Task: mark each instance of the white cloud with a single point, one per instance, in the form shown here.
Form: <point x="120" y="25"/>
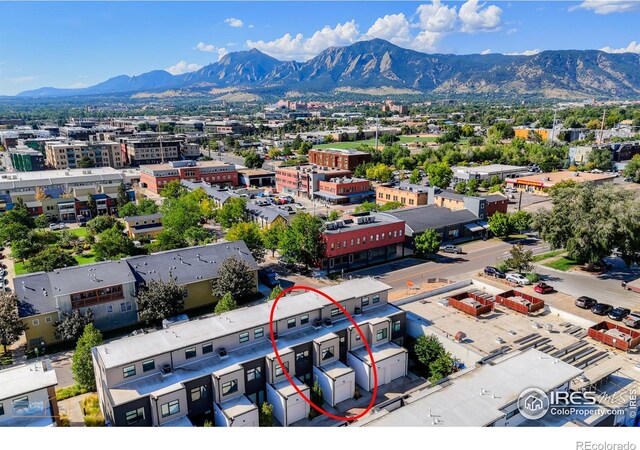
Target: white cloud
<point x="535" y="51"/>
<point x="486" y="52"/>
<point x="233" y="22"/>
<point x="608" y="6"/>
<point x="633" y="47"/>
<point x="182" y="67"/>
<point x="78" y="85"/>
<point x="479" y="18"/>
<point x="299" y="47"/>
<point x="512" y="30"/>
<point x="251" y="26"/>
<point x="436" y="17"/>
<point x="210" y="48"/>
<point x="393" y="28"/>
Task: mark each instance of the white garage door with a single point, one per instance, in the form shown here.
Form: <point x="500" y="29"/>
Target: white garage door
<point x="382" y="376"/>
<point x="296" y="410"/>
<point x="396" y="370"/>
<point x="343" y="390"/>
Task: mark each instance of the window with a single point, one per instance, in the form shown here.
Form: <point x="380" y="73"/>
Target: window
<point x="358" y="336"/>
<point x="190" y="353"/>
<point x="128" y="371"/>
<point x="291" y="323"/>
<point x="1" y="409"/>
<point x="35" y="322"/>
<point x="254" y="374"/>
<point x="207" y="348"/>
<point x="21" y="402"/>
<point x="198" y="392"/>
<point x="109" y="309"/>
<point x="47" y="319"/>
<point x="229" y="387"/>
<point x="148" y="365"/>
<point x="302" y="356"/>
<point x="375" y="298"/>
<point x="258" y="333"/>
<point x="358" y="241"/>
<point x="135" y="416"/>
<point x="171" y="408"/>
<point x="327" y="353"/>
<point x="511" y="414"/>
<point x="396" y="326"/>
<point x="279" y="370"/>
<point x="304" y="319"/>
<point x="381" y="334"/>
<point x="335" y="312"/>
<point x="365" y="301"/>
<point x="125" y="306"/>
<point x="244" y="337"/>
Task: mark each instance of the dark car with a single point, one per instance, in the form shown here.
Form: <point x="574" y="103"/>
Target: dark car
<point x="543" y="288"/>
<point x="586" y="302"/>
<point x="269" y="277"/>
<point x="494" y="272"/>
<point x="619" y="313"/>
<point x="601" y="309"/>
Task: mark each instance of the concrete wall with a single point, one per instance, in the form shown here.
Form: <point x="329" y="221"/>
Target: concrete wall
<point x="363" y="371"/>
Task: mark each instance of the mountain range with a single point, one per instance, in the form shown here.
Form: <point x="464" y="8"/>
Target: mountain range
<point x="367" y="66"/>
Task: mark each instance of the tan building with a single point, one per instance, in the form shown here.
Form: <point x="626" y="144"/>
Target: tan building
<point x="139" y="226"/>
<point x="407" y="194"/>
<point x="539" y="183"/>
<point x="62" y="155"/>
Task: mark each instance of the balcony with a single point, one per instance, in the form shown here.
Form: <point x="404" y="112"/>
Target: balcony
<point x="96" y="300"/>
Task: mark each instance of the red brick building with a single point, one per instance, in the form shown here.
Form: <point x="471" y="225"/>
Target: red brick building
<point x="347" y="159"/>
<point x="304" y="180"/>
<point x="345" y="190"/>
<point x="156" y="176"/>
<point x="362" y="239"/>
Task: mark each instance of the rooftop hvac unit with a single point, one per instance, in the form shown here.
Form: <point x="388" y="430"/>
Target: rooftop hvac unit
<point x="222" y="352"/>
<point x="166" y="369"/>
<point x="460" y="336"/>
<point x="328" y="322"/>
<point x="317" y="323"/>
<point x="275" y="336"/>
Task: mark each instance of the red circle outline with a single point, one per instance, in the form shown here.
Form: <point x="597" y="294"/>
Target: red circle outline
<point x="286" y="372"/>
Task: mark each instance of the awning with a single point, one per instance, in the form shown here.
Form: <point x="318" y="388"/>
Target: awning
<point x="338" y="197"/>
<point x="484" y="224"/>
<point x="473" y="227"/>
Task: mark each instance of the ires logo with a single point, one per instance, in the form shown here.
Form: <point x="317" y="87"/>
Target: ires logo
<point x="534" y="403"/>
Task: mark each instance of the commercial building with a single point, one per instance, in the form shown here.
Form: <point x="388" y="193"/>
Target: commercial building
<point x="304" y="181"/>
<point x="483" y="207"/>
<point x="225" y="365"/>
<point x="143" y="226"/>
<point x="342" y="190"/>
<point x="362" y="239"/>
<point x="405" y="193"/>
<point x="28" y="396"/>
<point x="256" y="178"/>
<point x="538" y="183"/>
<point x="347" y="159"/>
<point x="109" y="288"/>
<point x="620" y="151"/>
<point x="156" y="176"/>
<point x="152" y="150"/>
<point x="67" y="155"/>
<point x="26" y="159"/>
<point x="481" y="173"/>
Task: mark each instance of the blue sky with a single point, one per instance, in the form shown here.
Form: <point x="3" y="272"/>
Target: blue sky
<point x="76" y="44"/>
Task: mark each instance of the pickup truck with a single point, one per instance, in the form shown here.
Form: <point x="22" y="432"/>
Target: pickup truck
<point x="451" y="249"/>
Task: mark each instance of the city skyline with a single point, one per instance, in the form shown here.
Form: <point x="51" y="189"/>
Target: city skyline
<point x="200" y="33"/>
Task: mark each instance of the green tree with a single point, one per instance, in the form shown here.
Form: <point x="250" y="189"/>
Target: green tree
<point x="427" y="349"/>
<point x="467" y="130"/>
<point x="333" y="215"/>
<point x="91" y="203"/>
<point x="181" y="213"/>
<point x="160" y="299"/>
<point x="440" y="174"/>
<point x="461" y="187"/>
<point x="173" y="189"/>
<point x="72" y="325"/>
<point x="427" y="243"/>
<point x="271" y="236"/>
<point x="632" y="169"/>
<point x="500" y="225"/>
<point x="85" y="162"/>
<point x="302" y="242"/>
<point x="103" y="223"/>
<point x="10" y="230"/>
<point x="366" y="207"/>
<point x="266" y="415"/>
<point x="415" y="177"/>
<point x="225" y="304"/>
<point x="42" y="221"/>
<point x="233" y="211"/>
<point x="443" y="366"/>
<point x="520" y="259"/>
<point x="520" y="220"/>
<point x="51" y="259"/>
<point x="250" y="233"/>
<point x="390" y="206"/>
<point x="601" y="158"/>
<point x="472" y="187"/>
<point x="123" y="197"/>
<point x="234" y="277"/>
<point x="495" y="180"/>
<point x="328" y="139"/>
<point x="22" y="249"/>
<point x="275" y="292"/>
<point x="379" y="172"/>
<point x="82" y="365"/>
<point x="168" y="240"/>
<point x="196" y="235"/>
<point x="253" y="161"/>
<point x="11" y="327"/>
<point x="113" y="244"/>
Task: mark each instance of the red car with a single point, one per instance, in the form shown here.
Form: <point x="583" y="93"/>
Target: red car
<point x="543" y="288"/>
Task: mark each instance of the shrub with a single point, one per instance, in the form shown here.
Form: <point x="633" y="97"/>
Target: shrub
<point x="71" y="391"/>
<point x="64" y="420"/>
<point x="533" y="277"/>
<point x="502" y="267"/>
<point x="91" y="411"/>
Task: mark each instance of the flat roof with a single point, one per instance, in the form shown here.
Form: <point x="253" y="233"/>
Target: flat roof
<point x="237" y="406"/>
<point x="26" y="378"/>
<point x="198" y="164"/>
<point x="550" y="178"/>
<point x="256" y="172"/>
<point x="380" y="352"/>
<point x="350" y="223"/>
<point x="421" y="218"/>
<point x="285" y="389"/>
<point x="336" y="370"/>
<point x="488" y="169"/>
<point x="340" y="151"/>
<point x="476" y="397"/>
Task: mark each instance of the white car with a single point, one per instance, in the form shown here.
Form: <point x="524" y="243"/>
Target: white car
<point x="517" y="278"/>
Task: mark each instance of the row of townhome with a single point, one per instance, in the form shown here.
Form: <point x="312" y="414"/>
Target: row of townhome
<point x="225" y="366"/>
<point x="109" y="288"/>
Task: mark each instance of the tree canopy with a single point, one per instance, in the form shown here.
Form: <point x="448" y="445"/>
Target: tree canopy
<point x="427" y="243"/>
<point x="11" y="327"/>
<point x="250" y="233"/>
<point x="235" y="277"/>
<point x="72" y="325"/>
<point x="82" y="364"/>
<point x="302" y="242"/>
<point x="160" y="299"/>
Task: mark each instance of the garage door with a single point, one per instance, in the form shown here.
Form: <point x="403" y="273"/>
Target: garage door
<point x="396" y="370"/>
<point x="296" y="410"/>
<point x="343" y="391"/>
<point x="382" y="376"/>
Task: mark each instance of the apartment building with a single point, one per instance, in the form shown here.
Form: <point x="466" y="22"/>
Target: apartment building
<point x="346" y="159"/>
<point x="151" y="150"/>
<point x="156" y="176"/>
<point x="109" y="288"/>
<point x="67" y="155"/>
<point x="225" y="365"/>
<point x="342" y="190"/>
<point x="305" y="180"/>
<point x="143" y="226"/>
<point x="229" y="127"/>
<point x="28" y="395"/>
<point x="405" y="193"/>
<point x="362" y="239"/>
<point x="25" y="159"/>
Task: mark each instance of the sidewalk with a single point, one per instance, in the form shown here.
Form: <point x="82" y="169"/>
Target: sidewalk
<point x="72" y="408"/>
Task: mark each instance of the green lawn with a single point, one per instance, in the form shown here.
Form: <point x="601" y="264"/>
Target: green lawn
<point x="551" y="254"/>
<point x="80" y="232"/>
<point x="564" y="263"/>
<point x="85" y="258"/>
<point x="20" y="268"/>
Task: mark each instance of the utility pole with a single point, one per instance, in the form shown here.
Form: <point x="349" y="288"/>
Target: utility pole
<point x="553" y="127"/>
<point x="377" y="127"/>
<point x="601" y="138"/>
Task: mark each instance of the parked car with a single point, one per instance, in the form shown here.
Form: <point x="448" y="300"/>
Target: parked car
<point x="3" y="273"/>
<point x="269" y="277"/>
<point x="451" y="249"/>
<point x="7" y="289"/>
<point x="585" y="302"/>
<point x="54" y="226"/>
<point x="517" y="278"/>
<point x="543" y="288"/>
<point x="81" y="220"/>
<point x="632" y="320"/>
<point x="619" y="313"/>
<point x="494" y="272"/>
<point x="601" y="309"/>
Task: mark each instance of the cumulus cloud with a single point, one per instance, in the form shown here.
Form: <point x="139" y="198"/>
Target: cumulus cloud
<point x="436" y="17"/>
<point x="299" y="47"/>
<point x="535" y="51"/>
<point x="233" y="22"/>
<point x="479" y="18"/>
<point x="182" y="67"/>
<point x="210" y="48"/>
<point x="486" y="52"/>
<point x="393" y="28"/>
<point x="633" y="47"/>
<point x="608" y="6"/>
